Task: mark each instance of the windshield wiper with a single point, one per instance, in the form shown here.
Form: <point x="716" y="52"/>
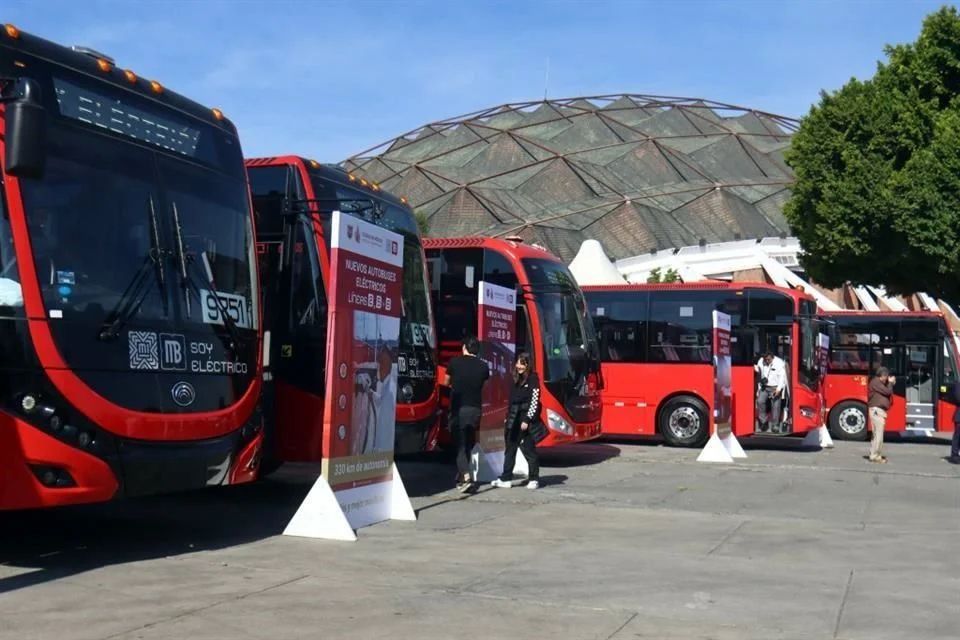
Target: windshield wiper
<point x="186" y="282"/>
<point x="136" y="292"/>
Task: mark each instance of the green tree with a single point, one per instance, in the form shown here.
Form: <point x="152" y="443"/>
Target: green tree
<point x="657" y="275"/>
<point x="877" y="197"/>
<point x="423" y="221"/>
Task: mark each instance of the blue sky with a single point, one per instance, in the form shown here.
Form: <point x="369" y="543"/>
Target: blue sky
<point x="330" y="79"/>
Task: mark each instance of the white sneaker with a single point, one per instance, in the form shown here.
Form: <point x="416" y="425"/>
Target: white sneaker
<point x="500" y="484"/>
<point x="533" y="484"/>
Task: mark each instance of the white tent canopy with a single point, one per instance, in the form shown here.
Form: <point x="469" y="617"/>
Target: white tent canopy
<point x="592" y="266"/>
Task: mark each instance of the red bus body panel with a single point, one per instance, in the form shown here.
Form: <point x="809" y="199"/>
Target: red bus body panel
<point x="633" y="393"/>
<point x="514" y="252"/>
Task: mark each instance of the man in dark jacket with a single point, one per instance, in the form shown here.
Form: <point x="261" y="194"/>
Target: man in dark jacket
<point x="466" y="375"/>
<point x="955" y="443"/>
<point x="879" y="393"/>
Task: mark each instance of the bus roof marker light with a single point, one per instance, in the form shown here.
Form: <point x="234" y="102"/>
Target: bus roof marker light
<point x="363" y="182"/>
<point x="130" y="76"/>
<point x="156" y="87"/>
<point x="351" y="177"/>
<point x="12" y="31"/>
<point x="403" y="199"/>
<point x="104" y="65"/>
<point x="314" y="164"/>
<point x="217" y="113"/>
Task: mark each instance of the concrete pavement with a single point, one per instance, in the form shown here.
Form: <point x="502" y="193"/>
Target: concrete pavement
<point x="625" y="541"/>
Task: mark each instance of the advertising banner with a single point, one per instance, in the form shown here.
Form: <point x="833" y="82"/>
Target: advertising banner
<point x="366" y="276"/>
<point x="722" y="375"/>
<point x="497" y="311"/>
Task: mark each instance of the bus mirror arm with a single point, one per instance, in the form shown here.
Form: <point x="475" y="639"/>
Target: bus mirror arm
<point x="26" y="128"/>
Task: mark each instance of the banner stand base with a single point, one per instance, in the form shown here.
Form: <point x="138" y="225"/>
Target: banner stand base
<point x="400" y="506"/>
<point x="321" y="516"/>
<point x="732" y="445"/>
<point x="819" y="437"/>
<point x="714" y="451"/>
<point x="485" y="467"/>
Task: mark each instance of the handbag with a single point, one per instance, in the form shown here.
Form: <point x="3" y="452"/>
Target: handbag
<point x="537" y="430"/>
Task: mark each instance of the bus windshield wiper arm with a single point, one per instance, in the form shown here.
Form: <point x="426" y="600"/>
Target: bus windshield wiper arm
<point x="186" y="282"/>
<point x="136" y="292"/>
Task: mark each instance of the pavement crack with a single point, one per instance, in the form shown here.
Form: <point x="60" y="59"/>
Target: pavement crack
<point x="212" y="605"/>
<point x="843" y="603"/>
<point x="621" y="627"/>
<point x="727" y="537"/>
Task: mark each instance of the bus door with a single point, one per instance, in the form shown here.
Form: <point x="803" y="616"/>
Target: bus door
<point x="778" y="339"/>
<point x="948" y="377"/>
<point x="919" y="367"/>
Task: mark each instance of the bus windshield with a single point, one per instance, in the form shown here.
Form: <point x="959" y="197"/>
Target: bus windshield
<point x="570" y="345"/>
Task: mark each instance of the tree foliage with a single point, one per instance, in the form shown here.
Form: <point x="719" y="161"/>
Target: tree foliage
<point x="423" y="221"/>
<point x="877" y="197"/>
<point x="658" y="275"/>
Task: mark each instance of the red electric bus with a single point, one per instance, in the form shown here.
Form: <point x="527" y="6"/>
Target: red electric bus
<point x="552" y="323"/>
<point x="293" y="199"/>
<point x="919" y="350"/>
<point x="129" y="301"/>
<point x="656" y="347"/>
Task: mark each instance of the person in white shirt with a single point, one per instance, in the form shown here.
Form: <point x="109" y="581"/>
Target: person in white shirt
<point x="773" y="382"/>
<point x="385" y="401"/>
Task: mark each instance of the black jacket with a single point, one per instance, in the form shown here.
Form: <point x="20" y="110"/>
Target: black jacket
<point x="524" y="402"/>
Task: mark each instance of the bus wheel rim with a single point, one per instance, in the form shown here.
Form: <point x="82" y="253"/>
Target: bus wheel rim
<point x="684" y="422"/>
<point x="852" y="421"/>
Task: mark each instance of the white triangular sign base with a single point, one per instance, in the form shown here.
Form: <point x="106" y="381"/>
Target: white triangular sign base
<point x="400" y="507"/>
<point x="819" y="437"/>
<point x="485" y="467"/>
<point x="714" y="451"/>
<point x="320" y="516"/>
<point x="732" y="445"/>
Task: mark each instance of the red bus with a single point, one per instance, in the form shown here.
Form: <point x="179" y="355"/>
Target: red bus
<point x="656" y="347"/>
<point x="129" y="300"/>
<point x="293" y="200"/>
<point x="917" y="347"/>
<point x="552" y="323"/>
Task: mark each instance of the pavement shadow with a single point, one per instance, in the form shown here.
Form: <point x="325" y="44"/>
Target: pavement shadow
<point x="61" y="542"/>
<point x="582" y="454"/>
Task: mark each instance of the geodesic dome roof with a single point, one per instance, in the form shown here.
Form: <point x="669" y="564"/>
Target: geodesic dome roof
<point x="637" y="173"/>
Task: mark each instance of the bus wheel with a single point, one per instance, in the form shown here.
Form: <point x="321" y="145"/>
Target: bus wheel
<point x="683" y="422"/>
<point x="848" y="421"/>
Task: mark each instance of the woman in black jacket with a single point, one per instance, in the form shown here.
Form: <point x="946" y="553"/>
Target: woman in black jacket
<point x="522" y="416"/>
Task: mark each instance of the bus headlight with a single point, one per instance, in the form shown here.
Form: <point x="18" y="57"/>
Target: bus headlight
<point x="557" y="422"/>
<point x="406" y="392"/>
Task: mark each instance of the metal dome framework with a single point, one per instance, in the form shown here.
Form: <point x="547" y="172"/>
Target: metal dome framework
<point x="637" y="172"/>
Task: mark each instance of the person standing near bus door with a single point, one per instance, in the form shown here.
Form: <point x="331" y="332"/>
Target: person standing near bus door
<point x="773" y="381"/>
<point x="955" y="442"/>
<point x="523" y="418"/>
<point x="879" y="392"/>
<point x="466" y="375"/>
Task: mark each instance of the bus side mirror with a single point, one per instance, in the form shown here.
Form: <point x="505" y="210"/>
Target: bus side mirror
<point x="26" y="131"/>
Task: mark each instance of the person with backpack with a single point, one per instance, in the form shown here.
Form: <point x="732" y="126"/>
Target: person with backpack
<point x="466" y="375"/>
<point x="523" y="427"/>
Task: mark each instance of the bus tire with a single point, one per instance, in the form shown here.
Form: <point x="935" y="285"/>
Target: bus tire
<point x="848" y="421"/>
<point x="683" y="422"/>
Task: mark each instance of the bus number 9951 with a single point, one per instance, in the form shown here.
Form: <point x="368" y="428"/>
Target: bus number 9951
<point x="235" y="306"/>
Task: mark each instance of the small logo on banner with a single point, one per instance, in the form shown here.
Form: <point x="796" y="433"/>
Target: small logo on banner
<point x="183" y="394"/>
<point x="394" y="247"/>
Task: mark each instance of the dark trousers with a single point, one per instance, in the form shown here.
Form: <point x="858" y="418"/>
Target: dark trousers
<point x="517" y="439"/>
<point x="465" y="435"/>
<point x="955" y="443"/>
